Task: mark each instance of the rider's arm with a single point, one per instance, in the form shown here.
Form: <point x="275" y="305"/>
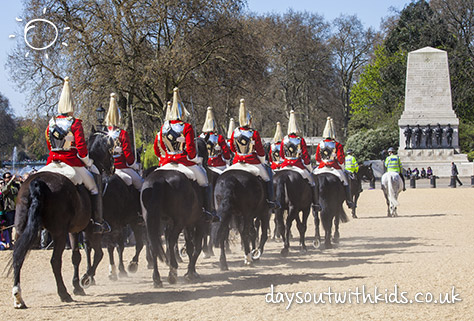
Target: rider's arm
<point x="258" y="144"/>
<point x="304" y="153"/>
<point x="224" y="147"/>
<point x="190" y="145"/>
<point x="231" y="143"/>
<point x="340" y="153"/>
<point x="318" y="156"/>
<point x="282" y="150"/>
<point x="127" y="148"/>
<point x="156" y="148"/>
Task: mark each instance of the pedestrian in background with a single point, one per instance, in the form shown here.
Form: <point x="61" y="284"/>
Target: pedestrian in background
<point x="455" y="173"/>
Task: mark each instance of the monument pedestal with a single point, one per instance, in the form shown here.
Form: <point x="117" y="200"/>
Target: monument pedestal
<point x="438" y="159"/>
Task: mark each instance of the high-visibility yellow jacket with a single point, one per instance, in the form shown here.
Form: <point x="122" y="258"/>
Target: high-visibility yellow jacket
<point x="351" y="164"/>
<point x="393" y="164"/>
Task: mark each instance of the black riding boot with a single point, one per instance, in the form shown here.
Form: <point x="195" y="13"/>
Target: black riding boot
<point x="316" y="205"/>
<point x="403" y="181"/>
<point x="135" y="194"/>
<point x="271" y="197"/>
<point x="99" y="225"/>
<point x="349" y="202"/>
<point x="208" y="205"/>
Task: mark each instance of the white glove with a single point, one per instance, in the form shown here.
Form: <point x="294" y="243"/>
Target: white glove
<point x="180" y="139"/>
<point x="217" y="147"/>
<point x="135" y="166"/>
<point x="197" y="160"/>
<point x="262" y="159"/>
<point x="86" y="160"/>
<point x="309" y="168"/>
<point x="118" y="150"/>
<point x="93" y="169"/>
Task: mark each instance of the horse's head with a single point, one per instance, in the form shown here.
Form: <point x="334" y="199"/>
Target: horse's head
<point x="202" y="150"/>
<point x="101" y="150"/>
<point x="366" y="172"/>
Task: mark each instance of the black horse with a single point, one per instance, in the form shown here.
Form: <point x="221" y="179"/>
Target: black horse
<point x="294" y="194"/>
<point x="355" y="180"/>
<point x="168" y="197"/>
<point x="121" y="208"/>
<point x="51" y="200"/>
<point x="241" y="195"/>
<point x="331" y="197"/>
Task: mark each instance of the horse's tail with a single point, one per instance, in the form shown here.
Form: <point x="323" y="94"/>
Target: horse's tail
<point x="281" y="190"/>
<point x="391" y="191"/>
<point x="38" y="190"/>
<point x="343" y="216"/>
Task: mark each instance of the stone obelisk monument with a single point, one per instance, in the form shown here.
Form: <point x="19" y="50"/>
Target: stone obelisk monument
<point x="428" y="125"/>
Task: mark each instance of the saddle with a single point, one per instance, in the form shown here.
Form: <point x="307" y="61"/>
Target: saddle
<point x="127" y="179"/>
<point x="178" y="167"/>
<point x="303" y="173"/>
<point x="244" y="167"/>
<point x="330" y="170"/>
<point x="63" y="169"/>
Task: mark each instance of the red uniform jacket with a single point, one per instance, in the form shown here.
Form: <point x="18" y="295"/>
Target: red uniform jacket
<point x="340" y="157"/>
<point x="78" y="147"/>
<point x="257" y="150"/>
<point x="126" y="158"/>
<point x="304" y="159"/>
<point x="189" y="150"/>
<point x="219" y="160"/>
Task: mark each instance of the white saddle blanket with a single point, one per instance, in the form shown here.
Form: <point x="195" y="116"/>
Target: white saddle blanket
<point x="304" y="173"/>
<point x="178" y="167"/>
<point x="218" y="169"/>
<point x="125" y="177"/>
<point x="330" y="170"/>
<point x="244" y="167"/>
<point x="63" y="169"/>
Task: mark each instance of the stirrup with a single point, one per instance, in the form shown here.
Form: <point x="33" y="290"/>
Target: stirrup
<point x="210" y="217"/>
<point x="274" y="204"/>
<point x="316" y="208"/>
<point x="100" y="228"/>
<point x="350" y="204"/>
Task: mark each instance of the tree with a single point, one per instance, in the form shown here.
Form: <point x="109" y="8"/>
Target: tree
<point x="7" y="126"/>
<point x="351" y="45"/>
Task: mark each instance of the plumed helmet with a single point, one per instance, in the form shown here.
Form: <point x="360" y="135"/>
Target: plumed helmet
<point x="231" y="128"/>
<point x="178" y="111"/>
<point x="66" y="104"/>
<point x="329" y="131"/>
<point x="168" y="111"/>
<point x="113" y="114"/>
<point x="292" y="127"/>
<point x="244" y="116"/>
<point x="278" y="134"/>
<point x="210" y="123"/>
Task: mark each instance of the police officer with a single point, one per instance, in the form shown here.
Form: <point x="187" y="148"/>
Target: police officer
<point x="247" y="146"/>
<point x="66" y="143"/>
<point x="351" y="165"/>
<point x="393" y="164"/>
<point x="124" y="159"/>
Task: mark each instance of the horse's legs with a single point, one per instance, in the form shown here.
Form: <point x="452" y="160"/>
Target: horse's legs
<point x="95" y="242"/>
<point x="56" y="263"/>
<point x="222" y="234"/>
<point x="172" y="242"/>
<point x="120" y="248"/>
<point x="155" y="248"/>
<point x="245" y="236"/>
<point x="286" y="238"/>
<point x="280" y="227"/>
<point x="302" y="226"/>
<point x="327" y="224"/>
<point x="76" y="261"/>
<point x="317" y="235"/>
<point x="356" y="198"/>
<point x="265" y="224"/>
<point x="195" y="240"/>
<point x="138" y="232"/>
<point x="112" y="268"/>
<point x="336" y="227"/>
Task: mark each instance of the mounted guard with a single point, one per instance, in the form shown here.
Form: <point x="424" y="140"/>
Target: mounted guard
<point x="219" y="152"/>
<point x="249" y="153"/>
<point x="330" y="155"/>
<point x="124" y="159"/>
<point x="176" y="138"/>
<point x="68" y="149"/>
<point x="274" y="154"/>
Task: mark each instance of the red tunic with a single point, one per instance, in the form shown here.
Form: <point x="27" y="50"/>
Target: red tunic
<point x="189" y="150"/>
<point x="219" y="160"/>
<point x="126" y="158"/>
<point x="301" y="161"/>
<point x="78" y="146"/>
<point x="257" y="151"/>
<point x="340" y="157"/>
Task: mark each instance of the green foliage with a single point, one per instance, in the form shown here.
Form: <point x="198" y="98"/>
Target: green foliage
<point x="466" y="137"/>
<point x="470" y="156"/>
<point x="149" y="158"/>
<point x="368" y="144"/>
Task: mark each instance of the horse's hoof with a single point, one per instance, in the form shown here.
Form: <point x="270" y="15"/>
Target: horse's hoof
<point x="284" y="251"/>
<point x="224" y="267"/>
<point x="123" y="274"/>
<point x="20" y="305"/>
<point x="206" y="255"/>
<point x="18" y="302"/>
<point x="354" y="216"/>
<point x="256" y="254"/>
<point x="157" y="285"/>
<point x="316" y="243"/>
<point x="173" y="276"/>
<point x="149" y="266"/>
<point x="66" y="298"/>
<point x="133" y="267"/>
<point x="328" y="246"/>
<point x="79" y="291"/>
<point x="86" y="281"/>
<point x="113" y="277"/>
<point x="191" y="277"/>
<point x="303" y="250"/>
